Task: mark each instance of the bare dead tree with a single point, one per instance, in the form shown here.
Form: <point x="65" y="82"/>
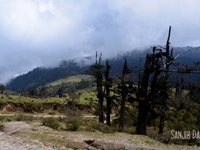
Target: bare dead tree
<point x="143" y="108"/>
<point x="158" y="64"/>
<point x="165" y="89"/>
<point x="154" y="64"/>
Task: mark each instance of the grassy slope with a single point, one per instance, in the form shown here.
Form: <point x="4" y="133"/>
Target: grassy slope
<point x="19" y="99"/>
<point x="83" y="95"/>
<point x="86" y="94"/>
<point x="71" y="79"/>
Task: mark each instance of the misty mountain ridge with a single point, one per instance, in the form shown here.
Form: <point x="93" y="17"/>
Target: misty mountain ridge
<point x="41" y="75"/>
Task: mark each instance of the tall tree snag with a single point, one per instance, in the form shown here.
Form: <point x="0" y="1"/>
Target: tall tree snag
<point x="97" y="71"/>
<point x="143" y="108"/>
<point x="167" y="63"/>
<point x="108" y="84"/>
<point x="153" y="65"/>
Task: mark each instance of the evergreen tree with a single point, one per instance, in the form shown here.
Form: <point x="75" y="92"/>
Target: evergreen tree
<point x="2" y="88"/>
<point x="124" y="92"/>
<point x="108" y="85"/>
<point x="97" y="71"/>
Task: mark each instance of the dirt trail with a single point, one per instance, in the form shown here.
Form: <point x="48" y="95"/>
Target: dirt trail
<point x="10" y="142"/>
<point x="48" y="116"/>
<point x="17" y="136"/>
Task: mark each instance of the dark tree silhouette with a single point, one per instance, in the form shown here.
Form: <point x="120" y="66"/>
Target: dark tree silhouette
<point x="61" y="91"/>
<point x="2" y="88"/>
<point x="124" y="92"/>
<point x="143" y="108"/>
<point x="154" y="64"/>
<point x="153" y="88"/>
<point x="43" y="92"/>
<point x="108" y="85"/>
<point x="158" y="64"/>
<point x="97" y="71"/>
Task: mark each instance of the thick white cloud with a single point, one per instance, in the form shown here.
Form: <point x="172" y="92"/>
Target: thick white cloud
<point x="43" y="32"/>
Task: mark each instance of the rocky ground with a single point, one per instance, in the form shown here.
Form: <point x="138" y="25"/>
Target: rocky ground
<point x="9" y="141"/>
<point x="23" y="136"/>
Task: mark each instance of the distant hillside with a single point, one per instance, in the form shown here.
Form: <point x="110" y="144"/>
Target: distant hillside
<point x="71" y="79"/>
<point x="40" y="76"/>
<point x="67" y="85"/>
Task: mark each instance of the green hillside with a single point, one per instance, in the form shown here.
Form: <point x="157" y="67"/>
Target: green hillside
<point x="71" y="79"/>
<point x="63" y="86"/>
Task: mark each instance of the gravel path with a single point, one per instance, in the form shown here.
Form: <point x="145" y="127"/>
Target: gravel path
<point x="12" y="137"/>
<point x="9" y="142"/>
<point x="16" y="143"/>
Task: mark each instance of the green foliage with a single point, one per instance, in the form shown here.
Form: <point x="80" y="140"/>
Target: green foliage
<point x="96" y="70"/>
<point x="182" y="120"/>
<point x="71" y="79"/>
<point x="22" y="117"/>
<point x="52" y="123"/>
<point x="76" y="124"/>
<point x="103" y="127"/>
<point x="2" y="88"/>
<point x="188" y="118"/>
<point x="22" y="99"/>
<point x="131" y="116"/>
<point x="87" y="96"/>
<point x="19" y="117"/>
<point x="73" y="124"/>
<point x="67" y="85"/>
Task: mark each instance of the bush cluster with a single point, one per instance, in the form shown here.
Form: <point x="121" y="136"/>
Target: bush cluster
<point x="73" y="124"/>
<point x="52" y="123"/>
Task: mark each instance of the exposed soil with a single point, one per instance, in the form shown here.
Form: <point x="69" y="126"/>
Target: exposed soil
<point x="7" y="107"/>
<point x="23" y="136"/>
<point x="30" y="108"/>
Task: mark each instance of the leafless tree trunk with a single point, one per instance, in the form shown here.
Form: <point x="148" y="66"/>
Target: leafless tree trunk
<point x="163" y="115"/>
<point x="153" y="65"/>
<point x="142" y="98"/>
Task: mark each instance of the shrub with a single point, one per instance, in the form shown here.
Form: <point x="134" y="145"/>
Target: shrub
<point x="73" y="124"/>
<point x="52" y="123"/>
<point x="103" y="127"/>
<point x="22" y="117"/>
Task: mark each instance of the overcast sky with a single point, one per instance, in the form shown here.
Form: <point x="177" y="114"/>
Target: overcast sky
<point x="43" y="32"/>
